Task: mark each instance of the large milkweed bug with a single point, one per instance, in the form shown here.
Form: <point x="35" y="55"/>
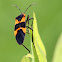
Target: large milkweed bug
<point x="20" y="27"/>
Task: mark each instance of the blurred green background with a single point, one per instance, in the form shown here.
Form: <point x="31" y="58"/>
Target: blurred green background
<point x="49" y="20"/>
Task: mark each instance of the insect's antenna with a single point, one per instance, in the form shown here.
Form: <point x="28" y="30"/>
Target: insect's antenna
<point x="30" y="6"/>
<point x="17" y="7"/>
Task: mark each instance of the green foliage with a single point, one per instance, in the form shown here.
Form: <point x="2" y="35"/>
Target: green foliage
<point x="58" y="50"/>
<point x="39" y="47"/>
<point x="26" y="58"/>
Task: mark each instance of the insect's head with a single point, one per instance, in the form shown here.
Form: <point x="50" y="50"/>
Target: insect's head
<point x="20" y="17"/>
<point x="23" y="14"/>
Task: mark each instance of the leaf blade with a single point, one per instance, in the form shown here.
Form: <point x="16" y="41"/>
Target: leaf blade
<point x="58" y="51"/>
<point x="26" y="58"/>
<point x="40" y="49"/>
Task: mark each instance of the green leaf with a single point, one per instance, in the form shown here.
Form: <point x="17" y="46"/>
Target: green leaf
<point x="35" y="59"/>
<point x="26" y="58"/>
<point x="39" y="47"/>
<point x="58" y="50"/>
<point x="29" y="55"/>
<point x="34" y="54"/>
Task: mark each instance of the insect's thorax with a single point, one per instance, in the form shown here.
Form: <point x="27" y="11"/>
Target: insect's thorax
<point x="20" y="19"/>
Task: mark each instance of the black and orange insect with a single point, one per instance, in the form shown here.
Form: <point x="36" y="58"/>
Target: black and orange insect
<point x="20" y="27"/>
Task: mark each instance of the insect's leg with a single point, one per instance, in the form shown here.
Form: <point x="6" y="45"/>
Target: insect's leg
<point x="29" y="28"/>
<point x="28" y="22"/>
<point x="28" y="19"/>
<point x="27" y="31"/>
<point x="32" y="25"/>
<point x="26" y="48"/>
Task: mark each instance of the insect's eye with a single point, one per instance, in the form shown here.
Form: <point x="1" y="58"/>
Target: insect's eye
<point x="23" y="16"/>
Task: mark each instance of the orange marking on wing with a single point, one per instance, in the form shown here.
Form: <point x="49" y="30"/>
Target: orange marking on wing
<point x="24" y="30"/>
<point x="22" y="20"/>
<point x="15" y="32"/>
<point x="16" y="21"/>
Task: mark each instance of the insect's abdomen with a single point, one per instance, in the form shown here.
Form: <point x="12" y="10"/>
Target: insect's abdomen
<point x="20" y="36"/>
<point x="20" y="30"/>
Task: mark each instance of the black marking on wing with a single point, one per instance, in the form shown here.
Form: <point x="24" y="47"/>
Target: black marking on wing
<point x="16" y="26"/>
<point x="20" y="36"/>
<point x="22" y="24"/>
